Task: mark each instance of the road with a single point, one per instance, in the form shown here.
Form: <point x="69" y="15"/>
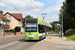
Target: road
<point x="15" y="43"/>
<point x="18" y="43"/>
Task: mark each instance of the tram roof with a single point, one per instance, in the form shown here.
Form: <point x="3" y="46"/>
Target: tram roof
<point x="42" y="22"/>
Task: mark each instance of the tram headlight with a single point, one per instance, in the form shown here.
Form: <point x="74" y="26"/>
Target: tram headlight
<point x="35" y="35"/>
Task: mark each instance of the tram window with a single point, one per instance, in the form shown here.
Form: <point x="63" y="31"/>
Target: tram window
<point x="31" y="25"/>
<point x="41" y="29"/>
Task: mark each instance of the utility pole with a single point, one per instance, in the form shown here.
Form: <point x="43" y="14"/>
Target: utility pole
<point x="64" y="17"/>
<point x="44" y="15"/>
<point x="55" y="28"/>
<point x="43" y="19"/>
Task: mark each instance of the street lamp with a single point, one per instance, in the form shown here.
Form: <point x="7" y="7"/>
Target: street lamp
<point x="61" y="10"/>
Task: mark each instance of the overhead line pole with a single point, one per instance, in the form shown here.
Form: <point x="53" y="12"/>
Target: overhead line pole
<point x="40" y="10"/>
<point x="44" y="15"/>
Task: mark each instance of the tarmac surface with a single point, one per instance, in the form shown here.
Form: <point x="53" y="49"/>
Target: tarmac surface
<point x="52" y="37"/>
<point x="53" y="41"/>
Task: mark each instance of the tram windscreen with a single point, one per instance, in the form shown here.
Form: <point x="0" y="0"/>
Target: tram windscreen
<point x="31" y="25"/>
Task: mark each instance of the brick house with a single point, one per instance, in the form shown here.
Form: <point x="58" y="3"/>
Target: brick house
<point x="4" y="22"/>
<point x="15" y="18"/>
<point x="23" y="21"/>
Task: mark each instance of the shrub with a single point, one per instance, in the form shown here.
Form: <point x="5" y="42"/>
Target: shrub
<point x="6" y="30"/>
<point x="12" y="30"/>
<point x="17" y="29"/>
<point x="70" y="32"/>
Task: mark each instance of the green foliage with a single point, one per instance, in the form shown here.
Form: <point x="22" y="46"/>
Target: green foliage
<point x="53" y="26"/>
<point x="12" y="30"/>
<point x="17" y="29"/>
<point x="60" y="16"/>
<point x="70" y="10"/>
<point x="70" y="34"/>
<point x="6" y="30"/>
<point x="28" y="16"/>
<point x="68" y="15"/>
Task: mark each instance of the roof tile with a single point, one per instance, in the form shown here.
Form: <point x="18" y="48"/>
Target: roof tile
<point x="4" y="18"/>
<point x="17" y="15"/>
<point x="23" y="19"/>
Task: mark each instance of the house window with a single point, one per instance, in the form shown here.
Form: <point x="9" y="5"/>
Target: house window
<point x="8" y="23"/>
<point x="4" y="22"/>
<point x="6" y="16"/>
<point x="9" y="16"/>
<point x="1" y="21"/>
<point x="20" y="23"/>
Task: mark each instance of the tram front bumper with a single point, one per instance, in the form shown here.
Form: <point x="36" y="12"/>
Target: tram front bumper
<point x="31" y="38"/>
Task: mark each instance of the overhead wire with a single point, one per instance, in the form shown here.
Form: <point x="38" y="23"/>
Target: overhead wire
<point x="13" y="7"/>
<point x="36" y="6"/>
<point x="21" y="10"/>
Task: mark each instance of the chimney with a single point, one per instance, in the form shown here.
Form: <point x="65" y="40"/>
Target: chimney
<point x="1" y="13"/>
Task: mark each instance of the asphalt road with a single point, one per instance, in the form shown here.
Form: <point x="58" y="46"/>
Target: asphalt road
<point x="18" y="43"/>
<point x="15" y="43"/>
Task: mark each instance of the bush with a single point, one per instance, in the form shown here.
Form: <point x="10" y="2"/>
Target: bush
<point x="17" y="29"/>
<point x="12" y="30"/>
<point x="70" y="34"/>
<point x="6" y="30"/>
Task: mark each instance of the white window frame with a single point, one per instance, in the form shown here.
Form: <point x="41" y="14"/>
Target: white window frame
<point x="9" y="16"/>
<point x="20" y="22"/>
<point x="4" y="22"/>
<point x="8" y="23"/>
<point x="6" y="16"/>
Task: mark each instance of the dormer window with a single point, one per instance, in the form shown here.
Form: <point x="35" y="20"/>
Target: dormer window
<point x="9" y="16"/>
<point x="6" y="16"/>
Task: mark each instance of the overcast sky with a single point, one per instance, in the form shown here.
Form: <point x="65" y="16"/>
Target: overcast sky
<point x="51" y="7"/>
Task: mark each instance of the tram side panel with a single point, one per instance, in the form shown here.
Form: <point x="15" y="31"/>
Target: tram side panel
<point x="41" y="31"/>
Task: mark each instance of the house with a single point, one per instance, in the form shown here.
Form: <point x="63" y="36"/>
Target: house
<point x="23" y="21"/>
<point x="4" y="22"/>
<point x="15" y="18"/>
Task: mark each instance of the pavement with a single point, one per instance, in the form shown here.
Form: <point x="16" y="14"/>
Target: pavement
<point x="56" y="38"/>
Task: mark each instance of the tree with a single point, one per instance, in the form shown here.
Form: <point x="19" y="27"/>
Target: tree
<point x="69" y="19"/>
<point x="28" y="16"/>
<point x="17" y="29"/>
<point x="12" y="30"/>
<point x="64" y="17"/>
<point x="71" y="12"/>
<point x="54" y="26"/>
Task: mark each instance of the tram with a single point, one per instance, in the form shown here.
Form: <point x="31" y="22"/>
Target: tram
<point x="36" y="29"/>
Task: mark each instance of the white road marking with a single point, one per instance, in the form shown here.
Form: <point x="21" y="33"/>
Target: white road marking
<point x="8" y="44"/>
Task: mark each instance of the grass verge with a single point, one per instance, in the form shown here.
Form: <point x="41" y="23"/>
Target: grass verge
<point x="70" y="34"/>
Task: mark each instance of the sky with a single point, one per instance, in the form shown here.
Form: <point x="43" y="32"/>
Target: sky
<point x="26" y="7"/>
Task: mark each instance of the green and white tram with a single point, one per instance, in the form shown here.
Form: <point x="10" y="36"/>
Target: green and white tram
<point x="36" y="29"/>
